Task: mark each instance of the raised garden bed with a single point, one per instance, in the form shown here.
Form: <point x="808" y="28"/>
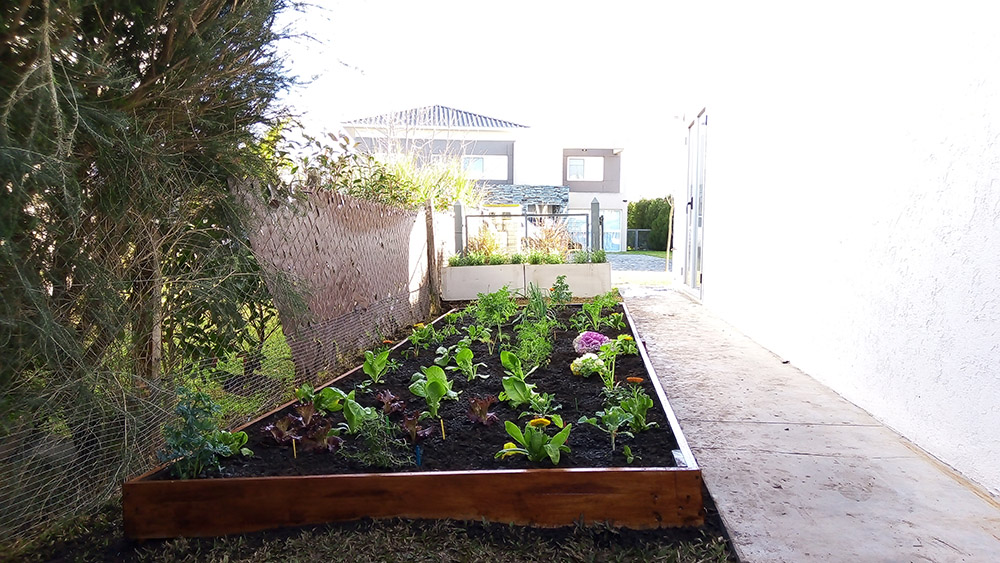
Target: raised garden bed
<point x="461" y="283"/>
<point x="458" y="477"/>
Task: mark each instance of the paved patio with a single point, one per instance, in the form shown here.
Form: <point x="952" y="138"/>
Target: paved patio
<point x="799" y="473"/>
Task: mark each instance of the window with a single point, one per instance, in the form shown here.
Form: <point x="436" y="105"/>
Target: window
<point x="585" y="168"/>
<point x="485" y="167"/>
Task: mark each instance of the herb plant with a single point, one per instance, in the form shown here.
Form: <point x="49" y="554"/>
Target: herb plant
<point x="196" y="442"/>
<point x="609" y="353"/>
<point x="534" y="442"/>
<point x="610" y="421"/>
<point x="495" y="309"/>
<point x="378" y="444"/>
<point x="534" y="341"/>
<point x="421" y="338"/>
<point x="479" y="333"/>
<point x="559" y="293"/>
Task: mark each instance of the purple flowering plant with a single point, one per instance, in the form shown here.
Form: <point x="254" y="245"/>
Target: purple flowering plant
<point x="589" y="342"/>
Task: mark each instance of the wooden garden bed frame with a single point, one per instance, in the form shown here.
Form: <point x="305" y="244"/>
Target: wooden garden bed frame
<point x="632" y="497"/>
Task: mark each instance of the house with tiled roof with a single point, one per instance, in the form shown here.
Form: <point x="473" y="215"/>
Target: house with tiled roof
<point x="488" y="148"/>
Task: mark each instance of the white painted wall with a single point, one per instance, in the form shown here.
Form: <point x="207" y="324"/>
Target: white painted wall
<point x="853" y="206"/>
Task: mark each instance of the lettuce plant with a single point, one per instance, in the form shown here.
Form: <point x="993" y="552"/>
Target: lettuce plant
<point x="589" y="342"/>
<point x="463" y="363"/>
<point x="356" y="415"/>
<point x="444" y="356"/>
<point x="479" y="410"/>
<point x="411" y="425"/>
<point x="326" y="401"/>
<point x="376" y="365"/>
<point x="535" y="442"/>
<point x="512" y="365"/>
<point x="433" y="385"/>
<point x="517" y="392"/>
<point x="390" y="402"/>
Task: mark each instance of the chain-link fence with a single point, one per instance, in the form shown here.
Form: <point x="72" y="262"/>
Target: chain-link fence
<point x="310" y="285"/>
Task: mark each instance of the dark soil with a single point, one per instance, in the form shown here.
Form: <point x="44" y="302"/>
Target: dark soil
<point x="470" y="445"/>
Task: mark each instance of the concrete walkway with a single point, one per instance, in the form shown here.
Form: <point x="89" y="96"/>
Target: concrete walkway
<point x="799" y="473"/>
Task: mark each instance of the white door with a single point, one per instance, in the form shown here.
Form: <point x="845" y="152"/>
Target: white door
<point x="695" y="208"/>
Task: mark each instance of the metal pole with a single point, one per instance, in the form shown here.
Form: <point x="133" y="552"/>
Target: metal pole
<point x="595" y="232"/>
<point x="459" y="231"/>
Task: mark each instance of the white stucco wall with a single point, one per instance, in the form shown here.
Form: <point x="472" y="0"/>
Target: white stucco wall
<point x="853" y="207"/>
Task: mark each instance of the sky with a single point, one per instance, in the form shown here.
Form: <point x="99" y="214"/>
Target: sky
<point x="596" y="74"/>
<point x="567" y="63"/>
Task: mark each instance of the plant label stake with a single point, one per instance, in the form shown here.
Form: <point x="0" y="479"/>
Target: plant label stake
<point x="418" y="450"/>
<point x="442" y="429"/>
<point x="295" y="454"/>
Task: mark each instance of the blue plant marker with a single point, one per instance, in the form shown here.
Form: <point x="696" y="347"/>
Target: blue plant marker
<point x="418" y="450"/>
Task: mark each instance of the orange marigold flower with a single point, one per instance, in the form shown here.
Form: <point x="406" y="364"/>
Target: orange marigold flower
<point x="536" y="422"/>
<point x="387" y="341"/>
<point x="634" y="379"/>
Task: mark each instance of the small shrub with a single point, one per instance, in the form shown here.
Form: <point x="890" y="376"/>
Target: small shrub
<point x="475" y="259"/>
<point x="581" y="257"/>
<point x="517" y="258"/>
<point x="485" y="242"/>
<point x="496" y="259"/>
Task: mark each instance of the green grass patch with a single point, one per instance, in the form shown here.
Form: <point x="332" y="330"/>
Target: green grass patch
<point x="100" y="538"/>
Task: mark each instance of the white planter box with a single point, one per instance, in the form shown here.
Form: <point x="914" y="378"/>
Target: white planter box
<point x="463" y="283"/>
<point x="584" y="280"/>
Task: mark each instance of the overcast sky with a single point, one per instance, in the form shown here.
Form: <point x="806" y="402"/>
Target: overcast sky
<point x="577" y="66"/>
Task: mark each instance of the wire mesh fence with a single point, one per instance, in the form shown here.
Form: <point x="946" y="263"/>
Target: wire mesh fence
<point x="525" y="232"/>
<point x="244" y="316"/>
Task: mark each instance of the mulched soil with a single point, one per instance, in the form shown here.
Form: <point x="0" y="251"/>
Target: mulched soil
<point x="470" y="445"/>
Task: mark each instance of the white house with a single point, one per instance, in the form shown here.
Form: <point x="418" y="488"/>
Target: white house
<point x="509" y="160"/>
<point x="843" y="205"/>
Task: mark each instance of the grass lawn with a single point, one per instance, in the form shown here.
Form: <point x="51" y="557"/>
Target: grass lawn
<point x="654" y="253"/>
<point x="99" y="538"/>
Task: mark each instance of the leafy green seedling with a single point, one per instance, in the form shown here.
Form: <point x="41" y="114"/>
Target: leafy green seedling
<point x="433" y="386"/>
<point x="512" y="365"/>
<point x="534" y="442"/>
<point x="376" y="365"/>
<point x="517" y="392"/>
<point x="463" y="363"/>
<point x="610" y="422"/>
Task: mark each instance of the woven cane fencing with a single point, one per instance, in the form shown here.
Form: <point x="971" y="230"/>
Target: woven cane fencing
<point x="336" y="274"/>
<point x="359" y="266"/>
